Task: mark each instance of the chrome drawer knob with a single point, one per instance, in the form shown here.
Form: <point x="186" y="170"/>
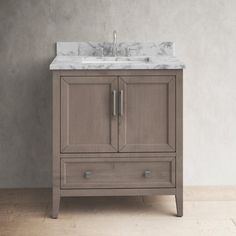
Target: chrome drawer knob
<point x="87" y="174"/>
<point x="147" y="173"/>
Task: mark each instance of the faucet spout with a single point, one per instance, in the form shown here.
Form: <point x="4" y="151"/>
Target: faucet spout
<point x="114" y="46"/>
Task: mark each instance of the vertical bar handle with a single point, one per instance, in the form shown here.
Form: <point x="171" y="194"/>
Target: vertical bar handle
<point x="121" y="102"/>
<point x="114" y="102"/>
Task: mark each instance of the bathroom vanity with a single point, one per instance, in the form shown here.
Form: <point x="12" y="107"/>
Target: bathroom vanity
<point x="117" y="121"/>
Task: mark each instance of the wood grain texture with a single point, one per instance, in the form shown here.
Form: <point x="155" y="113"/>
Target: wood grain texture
<point x="179" y="143"/>
<point x="88" y="73"/>
<point x="118" y="173"/>
<point x="117" y="192"/>
<point x="87" y="124"/>
<point x="208" y="211"/>
<point x="148" y="123"/>
<point x="55" y="144"/>
<point x="117" y="159"/>
<point x="118" y="155"/>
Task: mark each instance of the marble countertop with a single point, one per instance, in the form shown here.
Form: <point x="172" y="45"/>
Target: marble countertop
<point x="130" y="55"/>
<point x="77" y="63"/>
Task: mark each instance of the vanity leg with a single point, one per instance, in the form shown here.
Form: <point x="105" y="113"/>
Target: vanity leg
<point x="56" y="174"/>
<point x="179" y="143"/>
<point x="179" y="203"/>
<point x="55" y="204"/>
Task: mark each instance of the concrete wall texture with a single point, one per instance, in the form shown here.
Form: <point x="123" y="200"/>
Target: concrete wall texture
<point x="205" y="36"/>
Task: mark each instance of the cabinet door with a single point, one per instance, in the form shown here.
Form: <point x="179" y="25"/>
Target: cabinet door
<point x="87" y="122"/>
<point x="147" y="123"/>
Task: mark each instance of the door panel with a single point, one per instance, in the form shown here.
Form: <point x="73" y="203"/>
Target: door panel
<point x="87" y="124"/>
<point x="148" y="120"/>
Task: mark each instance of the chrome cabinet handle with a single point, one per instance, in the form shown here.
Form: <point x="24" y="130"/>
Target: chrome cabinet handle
<point x="121" y="102"/>
<point x="147" y="173"/>
<point x="87" y="174"/>
<point x="114" y="102"/>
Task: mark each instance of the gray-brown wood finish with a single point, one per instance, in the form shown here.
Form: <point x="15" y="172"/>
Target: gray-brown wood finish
<point x="166" y="91"/>
<point x="117" y="192"/>
<point x="148" y="120"/>
<point x="117" y="173"/>
<point x="55" y="144"/>
<point x="118" y="154"/>
<point x="179" y="143"/>
<point x="87" y="123"/>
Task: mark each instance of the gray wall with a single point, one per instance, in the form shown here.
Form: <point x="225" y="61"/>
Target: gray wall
<point x="205" y="36"/>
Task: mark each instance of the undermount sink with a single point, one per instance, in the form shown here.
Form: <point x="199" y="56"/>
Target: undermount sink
<point x="125" y="60"/>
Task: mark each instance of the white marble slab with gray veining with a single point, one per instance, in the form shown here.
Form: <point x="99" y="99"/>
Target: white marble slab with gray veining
<point x="90" y="56"/>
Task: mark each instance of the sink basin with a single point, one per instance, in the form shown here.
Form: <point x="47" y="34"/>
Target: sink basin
<point x="125" y="60"/>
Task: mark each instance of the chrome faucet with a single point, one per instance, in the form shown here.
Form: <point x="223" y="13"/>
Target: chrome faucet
<point x="114" y="45"/>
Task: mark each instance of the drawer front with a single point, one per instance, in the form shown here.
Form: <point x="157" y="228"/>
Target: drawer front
<point x="118" y="173"/>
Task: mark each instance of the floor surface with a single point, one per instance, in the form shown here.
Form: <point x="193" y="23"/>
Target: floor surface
<point x="208" y="211"/>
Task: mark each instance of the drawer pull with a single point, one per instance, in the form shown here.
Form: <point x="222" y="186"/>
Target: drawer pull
<point x="114" y="102"/>
<point x="147" y="174"/>
<point x="87" y="174"/>
<point x="121" y="102"/>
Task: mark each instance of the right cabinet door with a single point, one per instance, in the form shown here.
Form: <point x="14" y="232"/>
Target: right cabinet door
<point x="147" y="114"/>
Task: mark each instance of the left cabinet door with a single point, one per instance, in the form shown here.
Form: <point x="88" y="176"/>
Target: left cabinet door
<point x="88" y="119"/>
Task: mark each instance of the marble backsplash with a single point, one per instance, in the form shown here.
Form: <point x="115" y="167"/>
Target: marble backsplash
<point x="123" y="49"/>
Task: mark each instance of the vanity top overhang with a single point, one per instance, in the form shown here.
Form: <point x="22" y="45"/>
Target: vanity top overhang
<point x="129" y="55"/>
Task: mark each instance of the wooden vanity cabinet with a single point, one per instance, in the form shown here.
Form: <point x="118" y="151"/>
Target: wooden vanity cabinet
<point x="117" y="133"/>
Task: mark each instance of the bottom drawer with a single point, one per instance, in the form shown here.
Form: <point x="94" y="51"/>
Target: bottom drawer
<point x="117" y="172"/>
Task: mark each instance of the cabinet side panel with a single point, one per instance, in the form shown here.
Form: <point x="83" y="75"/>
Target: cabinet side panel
<point x="179" y="142"/>
<point x="56" y="141"/>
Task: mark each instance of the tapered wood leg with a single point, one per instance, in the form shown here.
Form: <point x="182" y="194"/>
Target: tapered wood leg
<point x="179" y="203"/>
<point x="55" y="205"/>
